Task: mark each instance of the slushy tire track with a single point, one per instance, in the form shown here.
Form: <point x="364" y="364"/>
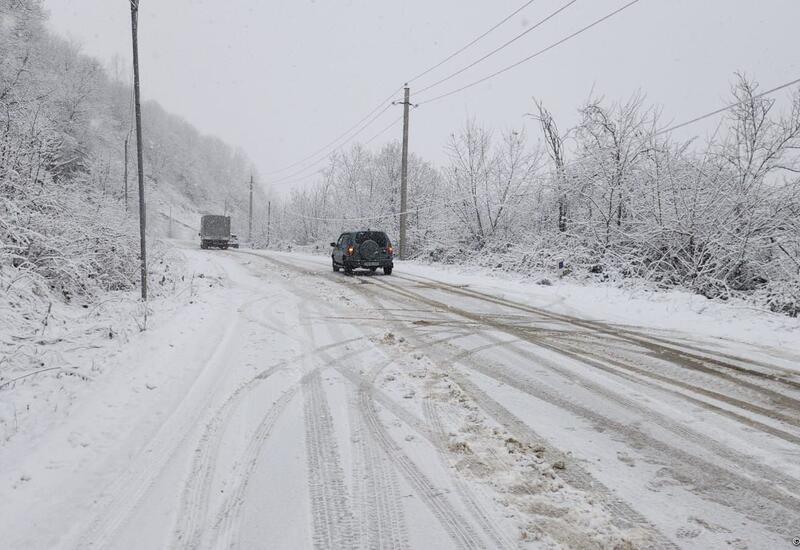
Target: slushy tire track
<point x="476" y="509"/>
<point x="456" y="526"/>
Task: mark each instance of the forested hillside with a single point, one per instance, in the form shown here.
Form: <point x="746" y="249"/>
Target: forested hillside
<point x="63" y="217"/>
<point x="614" y="197"/>
<point x="68" y="237"/>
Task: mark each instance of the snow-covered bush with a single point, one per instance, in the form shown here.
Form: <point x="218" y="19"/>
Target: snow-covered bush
<point x="59" y="223"/>
<point x="69" y="243"/>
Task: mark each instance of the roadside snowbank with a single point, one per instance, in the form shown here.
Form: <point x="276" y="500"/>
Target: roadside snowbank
<point x="50" y="349"/>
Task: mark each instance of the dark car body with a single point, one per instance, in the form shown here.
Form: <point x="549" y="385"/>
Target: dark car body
<point x="363" y="249"/>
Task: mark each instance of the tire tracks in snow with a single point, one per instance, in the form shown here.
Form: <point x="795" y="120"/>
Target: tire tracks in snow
<point x="127" y="491"/>
<point x="583" y="358"/>
<point x="623" y="516"/>
<point x="752" y="497"/>
<point x="228" y="519"/>
<point x="688" y="356"/>
<point x="377" y="494"/>
<point x="456" y="526"/>
<point x="193" y="511"/>
<point x="388" y="531"/>
<point x="741" y="460"/>
<point x="331" y="512"/>
<point x="618" y="367"/>
<point x="758" y="500"/>
<point x="710" y="481"/>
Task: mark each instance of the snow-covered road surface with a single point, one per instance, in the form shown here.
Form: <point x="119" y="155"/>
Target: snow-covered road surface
<point x="292" y="407"/>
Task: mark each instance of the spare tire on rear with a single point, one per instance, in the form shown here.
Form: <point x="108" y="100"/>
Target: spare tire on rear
<point x="368" y="250"/>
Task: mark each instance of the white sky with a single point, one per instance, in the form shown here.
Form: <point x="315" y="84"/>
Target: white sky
<point x="281" y="78"/>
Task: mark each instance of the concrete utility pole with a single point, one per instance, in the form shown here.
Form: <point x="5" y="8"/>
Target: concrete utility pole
<point x="404" y="177"/>
<point x="139" y="161"/>
<point x="250" y="219"/>
<point x="269" y="219"/>
<point x="125" y="184"/>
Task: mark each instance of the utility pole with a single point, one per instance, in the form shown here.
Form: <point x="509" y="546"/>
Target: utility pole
<point x="269" y="219"/>
<point x="250" y="219"/>
<point x="139" y="161"/>
<point x="125" y="185"/>
<point x="404" y="175"/>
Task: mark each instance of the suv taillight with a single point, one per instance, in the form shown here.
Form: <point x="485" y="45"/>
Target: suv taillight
<point x="390" y="250"/>
<point x="350" y="250"/>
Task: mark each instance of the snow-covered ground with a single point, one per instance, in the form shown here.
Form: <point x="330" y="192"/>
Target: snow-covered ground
<point x="281" y="405"/>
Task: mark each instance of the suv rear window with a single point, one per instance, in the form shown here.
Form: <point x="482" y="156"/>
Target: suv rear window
<point x="379" y="237"/>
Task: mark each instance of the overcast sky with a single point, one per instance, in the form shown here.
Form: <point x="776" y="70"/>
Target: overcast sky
<point x="282" y="78"/>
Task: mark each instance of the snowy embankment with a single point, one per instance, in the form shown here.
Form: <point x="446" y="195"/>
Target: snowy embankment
<point x="52" y="350"/>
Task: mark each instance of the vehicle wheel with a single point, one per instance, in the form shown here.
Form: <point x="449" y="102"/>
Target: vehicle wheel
<point x="373" y="269"/>
<point x="335" y="267"/>
<point x="203" y="246"/>
<point x="348" y="269"/>
<point x="387" y="270"/>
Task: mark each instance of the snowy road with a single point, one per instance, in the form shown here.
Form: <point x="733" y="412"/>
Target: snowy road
<point x="299" y="408"/>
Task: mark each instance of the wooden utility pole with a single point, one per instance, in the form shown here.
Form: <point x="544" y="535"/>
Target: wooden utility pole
<point x="404" y="177"/>
<point x="250" y="219"/>
<point x="139" y="161"/>
<point x="269" y="219"/>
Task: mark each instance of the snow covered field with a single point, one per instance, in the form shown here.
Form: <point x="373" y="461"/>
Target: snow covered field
<point x="287" y="406"/>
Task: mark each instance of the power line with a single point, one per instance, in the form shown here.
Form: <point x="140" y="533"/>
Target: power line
<point x="420" y="75"/>
<point x="386" y="129"/>
<point x="532" y="56"/>
<point x="499" y="48"/>
<point x="316" y="171"/>
<point x="726" y="108"/>
<point x="325" y="154"/>
<point x="473" y="42"/>
<point x="367" y="121"/>
<point x="338" y="138"/>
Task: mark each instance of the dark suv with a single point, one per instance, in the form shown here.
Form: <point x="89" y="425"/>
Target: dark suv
<point x="365" y="249"/>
